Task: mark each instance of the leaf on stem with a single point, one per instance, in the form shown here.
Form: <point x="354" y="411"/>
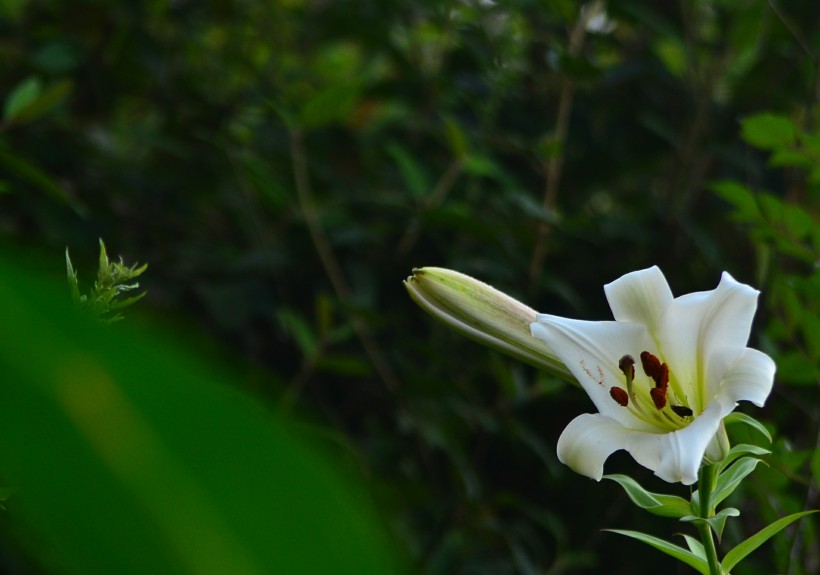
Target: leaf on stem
<point x="741" y="450"/>
<point x="717" y="522"/>
<point x="738" y="417"/>
<point x="695" y="546"/>
<point x="679" y="553"/>
<point x="655" y="503"/>
<point x="740" y="552"/>
<point x="729" y="480"/>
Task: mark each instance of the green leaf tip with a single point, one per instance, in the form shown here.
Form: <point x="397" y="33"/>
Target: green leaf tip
<point x="679" y="553"/>
<point x="745" y="548"/>
<point x="656" y="503"/>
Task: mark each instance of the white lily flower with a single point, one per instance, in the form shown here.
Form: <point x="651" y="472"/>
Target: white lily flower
<point x="693" y="367"/>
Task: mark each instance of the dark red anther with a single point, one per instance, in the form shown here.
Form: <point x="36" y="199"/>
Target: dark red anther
<point x="627" y="366"/>
<point x="619" y="395"/>
<point x="658" y="396"/>
<point x="659" y="372"/>
<point x="651" y="365"/>
<point x="682" y="410"/>
<point x="663" y="377"/>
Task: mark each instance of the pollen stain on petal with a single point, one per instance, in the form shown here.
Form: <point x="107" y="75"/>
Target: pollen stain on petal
<point x="600" y="379"/>
<point x="619" y="395"/>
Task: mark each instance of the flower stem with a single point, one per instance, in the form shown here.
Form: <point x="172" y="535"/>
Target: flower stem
<point x="706" y="484"/>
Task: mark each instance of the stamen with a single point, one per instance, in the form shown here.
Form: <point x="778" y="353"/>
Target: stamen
<point x="627" y="366"/>
<point x="663" y="377"/>
<point x="682" y="410"/>
<point x="658" y="396"/>
<point x="659" y="372"/>
<point x="651" y="365"/>
<point x="619" y="395"/>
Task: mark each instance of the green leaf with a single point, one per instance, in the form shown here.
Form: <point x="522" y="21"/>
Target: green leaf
<point x="44" y="102"/>
<point x="738" y="417"/>
<point x="768" y="131"/>
<point x="38" y="178"/>
<point x="21" y="97"/>
<point x="742" y="199"/>
<point x="679" y="553"/>
<point x="729" y="479"/>
<point x="672" y="53"/>
<point x="414" y="176"/>
<point x="717" y="522"/>
<point x="655" y="503"/>
<point x="696" y="547"/>
<point x="300" y="330"/>
<point x="184" y="473"/>
<point x="815" y="465"/>
<point x="328" y="106"/>
<point x="740" y="552"/>
<point x="794" y="368"/>
<point x="741" y="450"/>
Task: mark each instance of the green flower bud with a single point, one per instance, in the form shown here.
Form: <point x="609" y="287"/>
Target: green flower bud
<point x="483" y="314"/>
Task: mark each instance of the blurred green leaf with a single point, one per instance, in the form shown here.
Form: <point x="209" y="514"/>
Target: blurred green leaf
<point x="331" y="104"/>
<point x="43" y="103"/>
<point x="794" y="368"/>
<point x="815" y="465"/>
<point x="300" y="330"/>
<point x="38" y="178"/>
<point x="416" y="180"/>
<point x="741" y="198"/>
<point x="768" y="131"/>
<point x="21" y="97"/>
<point x="672" y="53"/>
<point x="130" y="455"/>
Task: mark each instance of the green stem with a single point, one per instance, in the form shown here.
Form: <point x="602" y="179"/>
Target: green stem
<point x="706" y="484"/>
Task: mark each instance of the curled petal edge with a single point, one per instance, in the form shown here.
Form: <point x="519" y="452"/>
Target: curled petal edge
<point x="750" y="378"/>
<point x="589" y="439"/>
<point x="641" y="296"/>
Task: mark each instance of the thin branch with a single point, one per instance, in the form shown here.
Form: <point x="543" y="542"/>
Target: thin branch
<point x="307" y="205"/>
<point x="555" y="164"/>
<point x="434" y="199"/>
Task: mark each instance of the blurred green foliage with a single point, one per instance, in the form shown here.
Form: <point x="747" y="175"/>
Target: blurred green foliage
<point x="282" y="166"/>
<point x="129" y="455"/>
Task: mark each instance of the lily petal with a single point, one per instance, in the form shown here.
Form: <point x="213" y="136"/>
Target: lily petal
<point x="697" y="323"/>
<point x="591" y="351"/>
<point x="750" y="378"/>
<point x="590" y="439"/>
<point x="676" y="456"/>
<point x="640" y="297"/>
<point x="587" y="442"/>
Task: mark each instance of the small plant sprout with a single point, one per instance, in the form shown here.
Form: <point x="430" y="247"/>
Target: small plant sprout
<point x="114" y="281"/>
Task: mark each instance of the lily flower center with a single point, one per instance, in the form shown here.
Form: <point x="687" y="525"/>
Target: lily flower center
<point x="650" y="397"/>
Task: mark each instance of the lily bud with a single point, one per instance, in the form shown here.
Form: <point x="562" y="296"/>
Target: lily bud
<point x="483" y="314"/>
